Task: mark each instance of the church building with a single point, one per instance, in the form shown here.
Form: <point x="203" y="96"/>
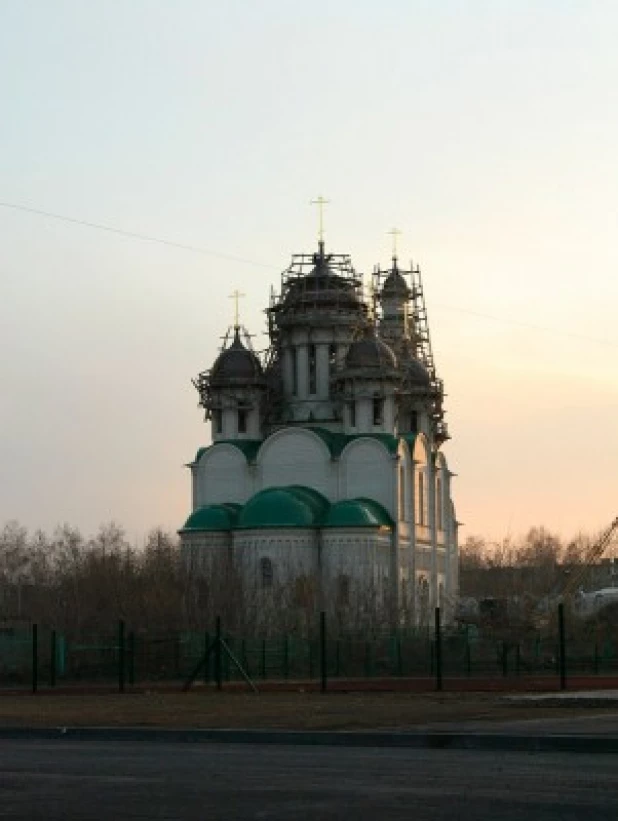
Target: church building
<point x="325" y="484"/>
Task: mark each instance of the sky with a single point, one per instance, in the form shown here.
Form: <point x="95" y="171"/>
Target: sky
<point x="487" y="132"/>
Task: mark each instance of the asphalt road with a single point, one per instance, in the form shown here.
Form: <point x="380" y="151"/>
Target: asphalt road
<point x="71" y="779"/>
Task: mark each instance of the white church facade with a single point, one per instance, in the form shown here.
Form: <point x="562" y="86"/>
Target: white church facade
<point x="326" y="476"/>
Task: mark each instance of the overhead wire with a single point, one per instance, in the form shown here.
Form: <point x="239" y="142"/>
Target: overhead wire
<point x="246" y="261"/>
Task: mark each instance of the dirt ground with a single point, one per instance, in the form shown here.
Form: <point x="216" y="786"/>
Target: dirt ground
<point x="207" y="709"/>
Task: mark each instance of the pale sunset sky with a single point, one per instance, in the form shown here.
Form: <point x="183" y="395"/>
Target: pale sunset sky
<point x="486" y="131"/>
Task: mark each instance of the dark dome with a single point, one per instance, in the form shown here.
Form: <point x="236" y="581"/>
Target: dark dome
<point x="322" y="288"/>
<point x="236" y="363"/>
<point x="395" y="285"/>
<point x="416" y="372"/>
<point x="370" y="352"/>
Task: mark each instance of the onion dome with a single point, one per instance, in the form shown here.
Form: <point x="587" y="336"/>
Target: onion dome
<point x="395" y="286"/>
<point x="236" y="364"/>
<point x="416" y="373"/>
<point x="322" y="288"/>
<point x="370" y="352"/>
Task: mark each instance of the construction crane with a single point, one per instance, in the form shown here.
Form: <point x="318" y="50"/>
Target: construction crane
<point x="594" y="552"/>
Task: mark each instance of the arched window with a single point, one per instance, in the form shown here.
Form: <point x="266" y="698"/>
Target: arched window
<point x="266" y="572"/>
<point x="421" y="498"/>
<point x="242" y="420"/>
<point x="402" y="494"/>
<point x="423" y="601"/>
<point x="313" y="380"/>
<point x="294" y="354"/>
<point x="378" y="410"/>
<point x="343" y="590"/>
<point x="353" y="413"/>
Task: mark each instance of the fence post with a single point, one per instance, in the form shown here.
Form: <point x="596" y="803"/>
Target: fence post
<point x="206" y="654"/>
<point x="323" y="661"/>
<point x="218" y="666"/>
<point x="35" y="657"/>
<point x="438" y="651"/>
<point x="131" y="648"/>
<point x="505" y="659"/>
<point x="562" y="646"/>
<point x="286" y="657"/>
<point x="121" y="656"/>
<point x="52" y="659"/>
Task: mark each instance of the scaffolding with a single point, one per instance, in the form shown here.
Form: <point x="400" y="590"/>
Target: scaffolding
<point x="418" y="338"/>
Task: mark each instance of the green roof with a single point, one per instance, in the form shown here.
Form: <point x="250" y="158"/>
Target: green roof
<point x="213" y="517"/>
<point x="294" y="506"/>
<point x="357" y="513"/>
<point x="249" y="447"/>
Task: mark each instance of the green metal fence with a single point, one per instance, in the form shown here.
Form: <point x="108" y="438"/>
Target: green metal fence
<point x="40" y="657"/>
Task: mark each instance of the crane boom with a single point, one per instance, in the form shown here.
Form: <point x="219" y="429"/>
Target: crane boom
<point x="594" y="552"/>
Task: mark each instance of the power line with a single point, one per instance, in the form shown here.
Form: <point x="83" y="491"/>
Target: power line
<point x="529" y="325"/>
<point x="132" y="234"/>
<point x="229" y="257"/>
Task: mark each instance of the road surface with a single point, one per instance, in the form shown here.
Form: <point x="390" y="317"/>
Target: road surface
<point x="76" y="779"/>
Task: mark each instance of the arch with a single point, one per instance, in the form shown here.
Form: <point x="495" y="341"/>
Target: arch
<point x="421" y="455"/>
<point x="222" y="475"/>
<point x="406" y="474"/>
<point x="293" y="456"/>
<point x="368" y="469"/>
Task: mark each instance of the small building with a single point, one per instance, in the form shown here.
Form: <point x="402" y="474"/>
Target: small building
<point x="325" y="485"/>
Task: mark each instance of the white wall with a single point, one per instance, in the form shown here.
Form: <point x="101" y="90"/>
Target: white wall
<point x="296" y="457"/>
<point x="368" y="469"/>
<point x="222" y="475"/>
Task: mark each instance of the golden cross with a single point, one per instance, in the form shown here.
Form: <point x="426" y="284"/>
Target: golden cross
<point x="320" y="202"/>
<point x="394" y="233"/>
<point x="236" y="296"/>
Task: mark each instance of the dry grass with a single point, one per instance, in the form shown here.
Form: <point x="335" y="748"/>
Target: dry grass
<point x="267" y="710"/>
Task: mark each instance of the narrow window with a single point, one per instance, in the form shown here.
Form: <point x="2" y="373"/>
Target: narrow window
<point x="414" y="422"/>
<point x="439" y="503"/>
<point x="378" y="407"/>
<point x="294" y="353"/>
<point x="343" y="590"/>
<point x="312" y="370"/>
<point x="421" y="499"/>
<point x="217" y="420"/>
<point x="332" y="359"/>
<point x="266" y="572"/>
<point x="353" y="414"/>
<point x="242" y="421"/>
<point x="402" y="496"/>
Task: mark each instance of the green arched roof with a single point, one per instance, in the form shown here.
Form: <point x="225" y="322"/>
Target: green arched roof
<point x="213" y="517"/>
<point x="357" y="513"/>
<point x="295" y="506"/>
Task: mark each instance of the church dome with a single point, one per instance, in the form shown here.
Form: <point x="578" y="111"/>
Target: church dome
<point x="357" y="513"/>
<point x="293" y="506"/>
<point x="370" y="352"/>
<point x="322" y="288"/>
<point x="213" y="518"/>
<point x="417" y="373"/>
<point x="236" y="363"/>
<point x="395" y="286"/>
